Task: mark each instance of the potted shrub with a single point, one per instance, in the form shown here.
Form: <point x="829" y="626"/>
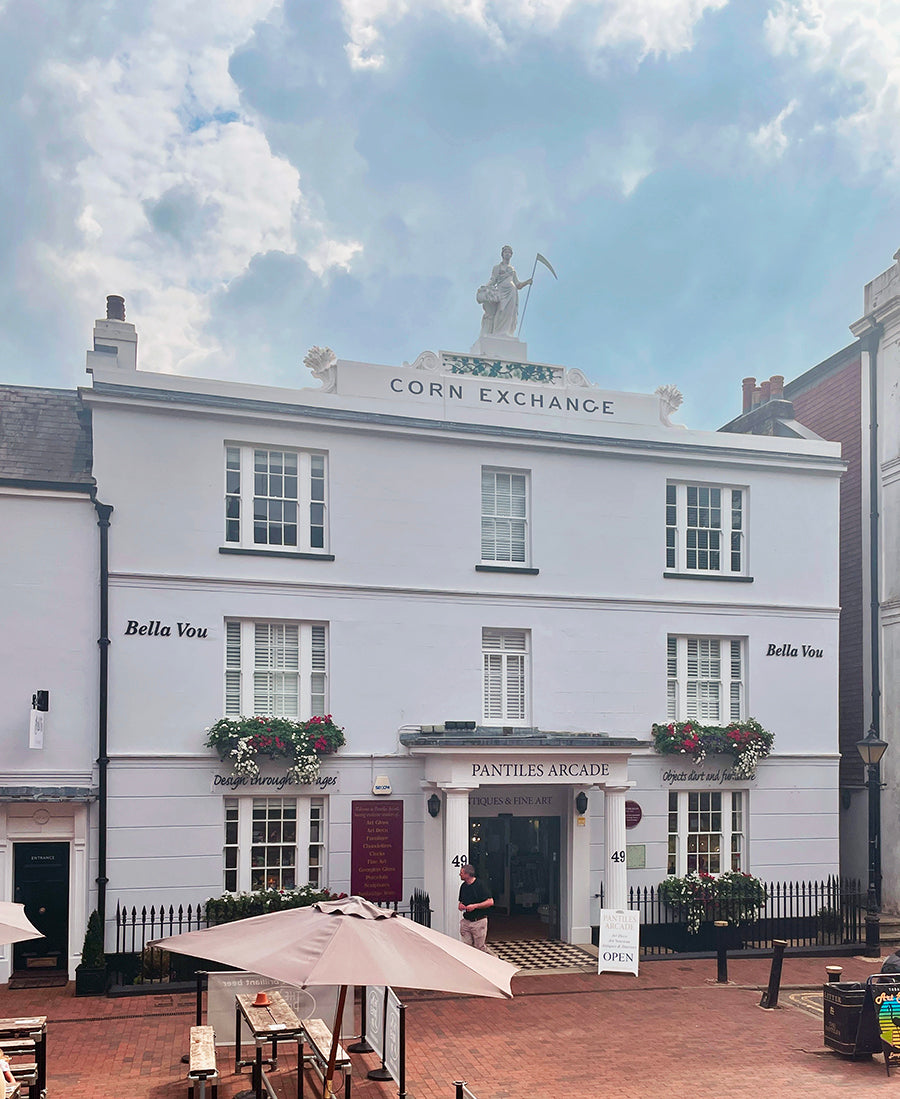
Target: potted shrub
<point x="91" y="973"/>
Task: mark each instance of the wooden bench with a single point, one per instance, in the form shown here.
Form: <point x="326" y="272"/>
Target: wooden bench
<point x="319" y="1038"/>
<point x="202" y="1068"/>
<point x="24" y="1072"/>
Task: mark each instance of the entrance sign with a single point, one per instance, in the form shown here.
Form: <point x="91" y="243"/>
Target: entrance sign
<point x="376" y="850"/>
<point x="619" y="941"/>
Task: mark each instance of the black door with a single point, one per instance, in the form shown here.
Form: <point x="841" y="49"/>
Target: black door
<point x="41" y="883"/>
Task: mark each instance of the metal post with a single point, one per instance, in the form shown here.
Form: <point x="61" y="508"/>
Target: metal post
<point x="770" y="996"/>
<point x="834" y="973"/>
<point x="873" y="897"/>
<point x="459" y="1085"/>
<point x="721" y="927"/>
<point x="401" y="1083"/>
<point x="362" y="1046"/>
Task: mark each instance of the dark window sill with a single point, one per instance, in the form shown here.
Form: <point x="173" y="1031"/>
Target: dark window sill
<point x="297" y="554"/>
<point x="521" y="569"/>
<point x="708" y="576"/>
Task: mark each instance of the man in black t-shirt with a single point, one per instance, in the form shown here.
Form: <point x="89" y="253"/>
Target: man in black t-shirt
<point x="474" y="901"/>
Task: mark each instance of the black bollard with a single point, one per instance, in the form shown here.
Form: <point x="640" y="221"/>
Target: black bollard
<point x="834" y="973"/>
<point x="770" y="996"/>
<point x="721" y="952"/>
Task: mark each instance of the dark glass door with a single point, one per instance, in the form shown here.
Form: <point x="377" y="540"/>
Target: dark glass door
<point x="520" y="858"/>
<point x="41" y="883"/>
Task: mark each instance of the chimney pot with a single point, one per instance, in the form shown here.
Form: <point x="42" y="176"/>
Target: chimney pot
<point x="777" y="387"/>
<point x="757" y="396"/>
<point x="764" y="392"/>
<point x="115" y="307"/>
<point x="748" y="385"/>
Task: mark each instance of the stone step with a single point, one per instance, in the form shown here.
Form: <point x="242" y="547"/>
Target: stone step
<point x="890" y="930"/>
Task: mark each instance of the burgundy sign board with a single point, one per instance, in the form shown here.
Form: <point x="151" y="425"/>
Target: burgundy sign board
<point x="633" y="814"/>
<point x="376" y="850"/>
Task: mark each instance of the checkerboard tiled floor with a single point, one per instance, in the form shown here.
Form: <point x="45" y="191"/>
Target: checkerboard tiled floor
<point x="538" y="954"/>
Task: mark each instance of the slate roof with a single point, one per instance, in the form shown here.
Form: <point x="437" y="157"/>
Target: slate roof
<point x="45" y="436"/>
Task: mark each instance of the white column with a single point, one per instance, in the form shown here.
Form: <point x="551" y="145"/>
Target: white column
<point x="577" y="926"/>
<point x="616" y="890"/>
<point x="456" y="851"/>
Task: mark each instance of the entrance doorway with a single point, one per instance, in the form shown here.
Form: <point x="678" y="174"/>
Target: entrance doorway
<point x="519" y="856"/>
<point x="41" y="883"/>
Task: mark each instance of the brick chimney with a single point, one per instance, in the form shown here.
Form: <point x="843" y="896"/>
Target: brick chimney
<point x="776" y="392"/>
<point x="115" y="341"/>
<point x="749" y="384"/>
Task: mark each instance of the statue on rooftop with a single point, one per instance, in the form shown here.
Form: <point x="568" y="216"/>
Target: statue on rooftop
<point x="499" y="297"/>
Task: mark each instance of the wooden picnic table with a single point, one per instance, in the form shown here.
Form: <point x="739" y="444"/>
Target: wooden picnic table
<point x="31" y="1028"/>
<point x="273" y="1023"/>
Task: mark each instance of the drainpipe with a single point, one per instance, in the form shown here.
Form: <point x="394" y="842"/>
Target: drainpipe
<point x="104" y="511"/>
<point x="870" y="344"/>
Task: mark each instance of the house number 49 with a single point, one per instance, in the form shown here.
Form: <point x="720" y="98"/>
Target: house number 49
<point x="618" y="856"/>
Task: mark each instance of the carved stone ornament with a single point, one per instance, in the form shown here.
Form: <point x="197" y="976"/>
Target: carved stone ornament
<point x="428" y="360"/>
<point x="576" y="377"/>
<point x="670" y="399"/>
<point x="322" y="361"/>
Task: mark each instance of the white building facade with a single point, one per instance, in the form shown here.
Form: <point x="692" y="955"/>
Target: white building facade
<point x="496" y="576"/>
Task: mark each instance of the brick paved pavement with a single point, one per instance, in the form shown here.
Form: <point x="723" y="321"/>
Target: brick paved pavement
<point x="672" y="1031"/>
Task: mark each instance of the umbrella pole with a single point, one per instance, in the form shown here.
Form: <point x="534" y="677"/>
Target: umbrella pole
<point x="327" y="1091"/>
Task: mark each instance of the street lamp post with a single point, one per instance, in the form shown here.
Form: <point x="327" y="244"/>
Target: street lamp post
<point x="872" y="748"/>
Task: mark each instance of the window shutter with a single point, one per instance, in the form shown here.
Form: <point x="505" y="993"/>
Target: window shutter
<point x="672" y="678"/>
<point x="515" y="688"/>
<point x="317" y="674"/>
<point x="493" y="686"/>
<point x="232" y="669"/>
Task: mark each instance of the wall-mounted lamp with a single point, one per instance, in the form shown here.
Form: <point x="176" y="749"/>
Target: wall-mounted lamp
<point x="40" y="701"/>
<point x="581" y="803"/>
<point x="434" y="805"/>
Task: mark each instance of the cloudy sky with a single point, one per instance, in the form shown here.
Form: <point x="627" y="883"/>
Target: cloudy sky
<point x="713" y="180"/>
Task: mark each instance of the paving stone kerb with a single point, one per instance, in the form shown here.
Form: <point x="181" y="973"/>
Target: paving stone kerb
<point x="672" y="1030"/>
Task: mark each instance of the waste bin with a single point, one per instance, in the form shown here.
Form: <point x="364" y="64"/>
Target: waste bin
<point x="843" y="1003"/>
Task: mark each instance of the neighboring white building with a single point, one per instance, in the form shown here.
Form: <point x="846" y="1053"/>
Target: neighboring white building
<point x="471" y="540"/>
<point x="49" y="564"/>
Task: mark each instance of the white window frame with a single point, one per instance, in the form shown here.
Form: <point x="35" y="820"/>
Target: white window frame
<point x="308" y="498"/>
<point x="704" y="538"/>
<point x="505" y="516"/>
<point x="506" y="676"/>
<point x="691" y="849"/>
<point x="706" y="679"/>
<point x="283" y="663"/>
<point x="310" y="847"/>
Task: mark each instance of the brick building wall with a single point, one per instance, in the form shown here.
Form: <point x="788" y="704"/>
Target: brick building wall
<point x="828" y="399"/>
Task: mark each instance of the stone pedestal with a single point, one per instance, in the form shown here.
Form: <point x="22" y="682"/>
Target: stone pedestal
<point x="507" y="348"/>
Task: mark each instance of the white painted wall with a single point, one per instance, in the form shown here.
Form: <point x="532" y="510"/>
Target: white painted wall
<point x="405" y="609"/>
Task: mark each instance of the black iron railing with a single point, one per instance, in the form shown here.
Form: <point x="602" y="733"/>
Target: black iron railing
<point x="807" y="913"/>
<point x="135" y="963"/>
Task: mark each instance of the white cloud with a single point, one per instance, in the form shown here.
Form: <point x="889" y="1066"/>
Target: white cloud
<point x="644" y="26"/>
<point x="177" y="188"/>
<point x="621" y="168"/>
<point x="852" y="47"/>
<point x="770" y="140"/>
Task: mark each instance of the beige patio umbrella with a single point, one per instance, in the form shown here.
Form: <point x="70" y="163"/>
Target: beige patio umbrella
<point x="347" y="942"/>
<point x="15" y="927"/>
